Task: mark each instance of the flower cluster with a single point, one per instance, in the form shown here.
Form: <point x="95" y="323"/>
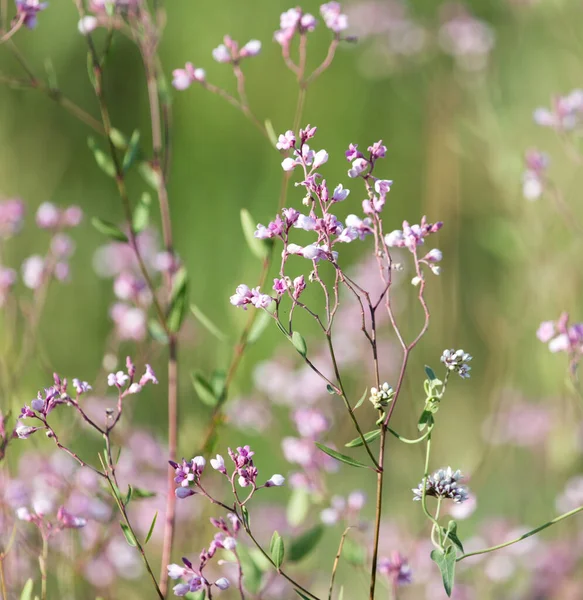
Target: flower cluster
<point x="396" y="569"/>
<point x="560" y="336"/>
<point x="28" y="11"/>
<point x="194" y="581"/>
<point x="565" y="113"/>
<point x="293" y="21"/>
<point x="456" y="360"/>
<point x="229" y="51"/>
<point x="380" y="398"/>
<point x="443" y="484"/>
<point x="412" y="236"/>
<point x="65" y="520"/>
<point x="189" y="473"/>
<point x="344" y="509"/>
<point x="244" y="296"/>
<point x="534" y="176"/>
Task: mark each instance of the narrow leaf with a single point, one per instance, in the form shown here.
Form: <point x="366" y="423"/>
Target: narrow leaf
<point x="276" y="549"/>
<point x="203" y="389"/>
<point x="451" y="533"/>
<point x="260" y="248"/>
<point x="178" y="301"/>
<point x="103" y="160"/>
<point x="128" y="534"/>
<point x="141" y="216"/>
<point x="151" y="530"/>
<point x="217" y="382"/>
<point x="207" y="323"/>
<point x="157" y="331"/>
<point x="446" y="563"/>
<point x="132" y="151"/>
<point x="139" y="493"/>
<point x="298" y="507"/>
<point x="305" y="543"/>
<point x="430" y="373"/>
<point x="341" y="457"/>
<point x="27" y="590"/>
<point x="113" y="232"/>
<point x="369" y="437"/>
<point x="128" y="495"/>
<point x="118" y="139"/>
<point x="259" y="326"/>
<point x="299" y="343"/>
<point x="148" y="174"/>
<point x="362" y="399"/>
<point x="245" y="514"/>
<point x="303" y="596"/>
<point x="330" y="390"/>
<point x="425" y="419"/>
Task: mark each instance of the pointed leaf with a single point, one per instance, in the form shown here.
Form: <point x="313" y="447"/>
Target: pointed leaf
<point x="330" y="390"/>
<point x="276" y="549"/>
<point x="178" y="301"/>
<point x="132" y="151"/>
<point x="446" y="563"/>
<point x="139" y="493"/>
<point x="118" y="139"/>
<point x="369" y="437"/>
<point x="128" y="534"/>
<point x="151" y="530"/>
<point x="204" y="389"/>
<point x="260" y="248"/>
<point x="451" y="533"/>
<point x="430" y="373"/>
<point x="207" y="323"/>
<point x="141" y="216"/>
<point x="425" y="419"/>
<point x="271" y="132"/>
<point x="341" y="594"/>
<point x="299" y="343"/>
<point x="341" y="457"/>
<point x="128" y="495"/>
<point x="245" y="515"/>
<point x="302" y="545"/>
<point x="298" y="506"/>
<point x="148" y="174"/>
<point x="303" y="596"/>
<point x="354" y="553"/>
<point x="157" y="331"/>
<point x="113" y="232"/>
<point x="26" y="593"/>
<point x="103" y="160"/>
<point x="217" y="382"/>
<point x="362" y="399"/>
<point x="261" y="322"/>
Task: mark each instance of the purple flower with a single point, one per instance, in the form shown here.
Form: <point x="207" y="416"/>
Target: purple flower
<point x="28" y="10"/>
<point x="396" y="568"/>
<point x="183" y="78"/>
<point x="377" y="150"/>
<point x="148" y="376"/>
<point x="175" y="571"/>
<point x="334" y="19"/>
<point x="222" y="583"/>
<point x="81" y="387"/>
<point x="359" y="165"/>
<point x="118" y="379"/>
<point x="11" y="217"/>
<point x="70" y="521"/>
<point x="286" y="140"/>
<point x="218" y="464"/>
<point x="299" y="286"/>
<point x="260" y="300"/>
<point x="339" y="193"/>
<point x="241" y="297"/>
<point x="353" y="153"/>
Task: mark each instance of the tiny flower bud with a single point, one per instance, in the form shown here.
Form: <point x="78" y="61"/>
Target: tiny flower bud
<point x="184" y="492"/>
<point x="275" y="481"/>
<point x="222" y="583"/>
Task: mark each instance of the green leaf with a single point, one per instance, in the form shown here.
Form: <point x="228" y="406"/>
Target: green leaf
<point x="299" y="343"/>
<point x="330" y="390"/>
<point x="302" y="545"/>
<point x="128" y="534"/>
<point x="260" y="324"/>
<point x="362" y="399"/>
<point x="141" y="216"/>
<point x="302" y="595"/>
<point x="217" y="382"/>
<point x="132" y="151"/>
<point x="253" y="575"/>
<point x="425" y="419"/>
<point x="207" y="323"/>
<point x="341" y="457"/>
<point x="113" y="232"/>
<point x="26" y="593"/>
<point x="245" y="515"/>
<point x="103" y="160"/>
<point x="118" y="139"/>
<point x="353" y="553"/>
<point x="430" y="373"/>
<point x="139" y="493"/>
<point x="91" y="70"/>
<point x="446" y="563"/>
<point x="151" y="530"/>
<point x="204" y="389"/>
<point x="260" y="248"/>
<point x="149" y="175"/>
<point x="157" y="331"/>
<point x="271" y="132"/>
<point x="298" y="506"/>
<point x="451" y="533"/>
<point x="341" y="594"/>
<point x="277" y="549"/>
<point x="178" y="301"/>
<point x="128" y="495"/>
<point x="369" y="437"/>
<point x="51" y="74"/>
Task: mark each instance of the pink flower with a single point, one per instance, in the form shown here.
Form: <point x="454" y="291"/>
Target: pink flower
<point x="251" y="48"/>
<point x="148" y="377"/>
<point x="286" y="140"/>
<point x="359" y="165"/>
<point x="334" y="19"/>
<point x="29" y="9"/>
<point x="221" y="54"/>
<point x="183" y="78"/>
<point x="339" y="193"/>
<point x="118" y="379"/>
<point x="47" y="216"/>
<point x="33" y="269"/>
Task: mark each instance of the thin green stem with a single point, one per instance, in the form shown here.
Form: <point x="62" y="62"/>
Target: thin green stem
<point x="524" y="536"/>
<point x="336" y="561"/>
<point x="3" y="579"/>
<point x="408" y="441"/>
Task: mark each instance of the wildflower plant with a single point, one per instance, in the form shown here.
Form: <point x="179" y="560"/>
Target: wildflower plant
<point x="303" y="245"/>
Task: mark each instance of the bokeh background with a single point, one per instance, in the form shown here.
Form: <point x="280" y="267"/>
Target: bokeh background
<point x="456" y="129"/>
